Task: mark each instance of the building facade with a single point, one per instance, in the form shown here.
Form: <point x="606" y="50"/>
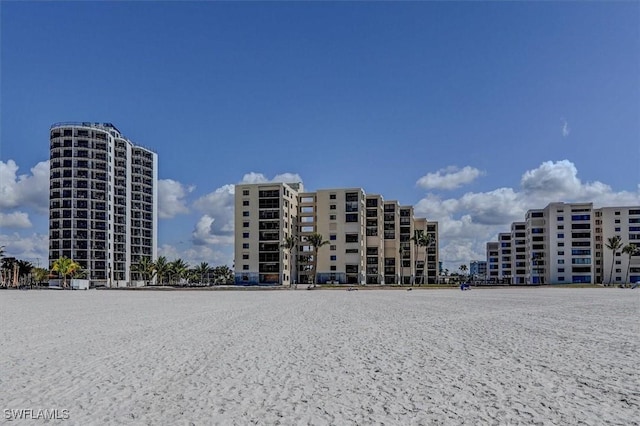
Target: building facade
<point x="623" y="222"/>
<point x="103" y="201"/>
<point x="567" y="243"/>
<point x="370" y="240"/>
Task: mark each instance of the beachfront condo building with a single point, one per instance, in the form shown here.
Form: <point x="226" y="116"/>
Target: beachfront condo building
<point x="519" y="253"/>
<point x="504" y="264"/>
<point x="370" y="240"/>
<point x="567" y="243"/>
<point x="103" y="201"/>
<point x="493" y="259"/>
<point x="620" y="267"/>
<point x="478" y="270"/>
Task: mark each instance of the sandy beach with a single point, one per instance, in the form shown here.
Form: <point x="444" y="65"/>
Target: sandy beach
<point x="545" y="356"/>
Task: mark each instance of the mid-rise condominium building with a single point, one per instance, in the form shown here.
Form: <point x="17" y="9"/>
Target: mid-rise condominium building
<point x="370" y="240"/>
<point x="103" y="201"/>
<point x="567" y="243"/>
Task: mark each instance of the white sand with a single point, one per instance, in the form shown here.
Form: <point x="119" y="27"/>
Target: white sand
<point x="507" y="356"/>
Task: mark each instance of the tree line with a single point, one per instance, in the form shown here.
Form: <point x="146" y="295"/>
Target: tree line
<point x="178" y="272"/>
<point x="21" y="273"/>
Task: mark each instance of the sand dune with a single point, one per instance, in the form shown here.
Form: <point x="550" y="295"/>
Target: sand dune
<point x="508" y="356"/>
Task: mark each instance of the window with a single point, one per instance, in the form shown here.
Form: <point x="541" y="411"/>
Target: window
<point x="351" y="251"/>
<point x="351" y="238"/>
<point x="560" y="235"/>
<point x="245" y="224"/>
<point x="560" y="227"/>
<point x="332" y="248"/>
<point x="351" y="217"/>
<point x="332" y="196"/>
<point x="332" y="207"/>
<point x="245" y="214"/>
<point x="245" y="235"/>
<point x="245" y="192"/>
<point x="561" y="270"/>
<point x="617" y="229"/>
<point x="245" y="202"/>
<point x="245" y="245"/>
<point x="245" y="267"/>
<point x="333" y="257"/>
<point x="332" y="217"/>
<point x="560" y="253"/>
<point x="333" y="268"/>
<point x="560" y="261"/>
<point x="245" y="256"/>
<point x="333" y="237"/>
<point x="560" y="278"/>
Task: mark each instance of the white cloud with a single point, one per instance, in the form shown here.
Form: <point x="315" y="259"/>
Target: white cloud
<point x="467" y="223"/>
<point x="449" y="178"/>
<point x="26" y="190"/>
<point x="217" y="221"/>
<point x="33" y="248"/>
<point x="205" y="233"/>
<point x="15" y="220"/>
<point x="216" y="225"/>
<point x="254" y="177"/>
<point x="197" y="254"/>
<point x="172" y="198"/>
<point x="287" y="178"/>
<point x="565" y="128"/>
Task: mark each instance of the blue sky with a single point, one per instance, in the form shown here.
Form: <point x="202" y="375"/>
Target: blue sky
<point x="471" y="112"/>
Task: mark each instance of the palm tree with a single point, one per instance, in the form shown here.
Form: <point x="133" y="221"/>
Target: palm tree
<point x="630" y="250"/>
<point x="65" y="267"/>
<point x="40" y="275"/>
<point x="24" y="270"/>
<point x="161" y="268"/>
<point x="463" y="270"/>
<point x="427" y="242"/>
<point x="316" y="241"/>
<point x="417" y="236"/>
<point x="146" y="268"/>
<point x="614" y="244"/>
<point x="178" y="268"/>
<point x="421" y="239"/>
<point x="202" y="270"/>
<point x="289" y="243"/>
<point x="7" y="268"/>
<point x="222" y="275"/>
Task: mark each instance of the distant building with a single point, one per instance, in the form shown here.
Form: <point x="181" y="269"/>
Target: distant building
<point x="625" y="223"/>
<point x="370" y="239"/>
<point x="566" y="243"/>
<point x="519" y="253"/>
<point x="493" y="262"/>
<point x="478" y="270"/>
<point x="103" y="201"/>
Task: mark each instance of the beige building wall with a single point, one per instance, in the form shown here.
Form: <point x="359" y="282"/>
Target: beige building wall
<point x="265" y="214"/>
<point x="364" y="235"/>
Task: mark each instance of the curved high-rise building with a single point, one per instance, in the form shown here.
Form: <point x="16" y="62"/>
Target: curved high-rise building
<point x="103" y="201"/>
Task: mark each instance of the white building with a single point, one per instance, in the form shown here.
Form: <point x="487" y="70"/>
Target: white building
<point x="567" y="243"/>
<point x="625" y="223"/>
<point x="103" y="201"/>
